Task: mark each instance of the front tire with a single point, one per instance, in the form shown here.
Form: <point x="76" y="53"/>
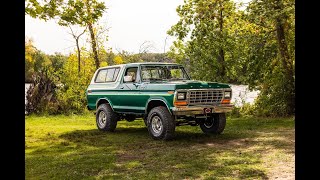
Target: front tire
<point x="214" y="124"/>
<point x="160" y="123"/>
<point x="106" y="118"/>
<point x="145" y="119"/>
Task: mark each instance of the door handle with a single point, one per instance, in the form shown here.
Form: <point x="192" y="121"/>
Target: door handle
<point x="136" y="84"/>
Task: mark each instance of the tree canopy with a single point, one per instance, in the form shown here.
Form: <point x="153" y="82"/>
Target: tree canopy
<point x="218" y="41"/>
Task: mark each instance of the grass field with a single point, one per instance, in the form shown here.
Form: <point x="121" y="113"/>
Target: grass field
<point x="71" y="147"/>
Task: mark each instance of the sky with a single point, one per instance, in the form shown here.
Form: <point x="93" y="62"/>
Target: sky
<point x="130" y="23"/>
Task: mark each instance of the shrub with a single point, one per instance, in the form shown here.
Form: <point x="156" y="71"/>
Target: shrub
<point x="41" y="95"/>
<point x="273" y="98"/>
<point x="71" y="92"/>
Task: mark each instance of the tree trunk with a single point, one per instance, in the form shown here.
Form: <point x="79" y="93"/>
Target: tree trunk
<point x="92" y="36"/>
<point x="94" y="46"/>
<point x="79" y="58"/>
<point x="283" y="49"/>
<point x="286" y="60"/>
<point x="221" y="60"/>
<point x="287" y="65"/>
<point x="221" y="52"/>
<point x="77" y="44"/>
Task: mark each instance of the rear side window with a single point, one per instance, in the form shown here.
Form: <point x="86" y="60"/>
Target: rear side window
<point x="107" y="75"/>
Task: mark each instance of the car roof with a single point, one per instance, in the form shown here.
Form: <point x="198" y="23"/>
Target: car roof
<point x="141" y="63"/>
<point x="150" y="63"/>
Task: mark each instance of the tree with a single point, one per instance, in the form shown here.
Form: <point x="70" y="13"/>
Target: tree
<point x="128" y="57"/>
<point x="41" y="74"/>
<point x="118" y="60"/>
<point x="105" y="54"/>
<point x="219" y="42"/>
<point x="278" y="17"/>
<point x="73" y="12"/>
<point x="71" y="95"/>
<point x="76" y="38"/>
<point x="204" y="29"/>
<point x="145" y="47"/>
<point x="30" y="50"/>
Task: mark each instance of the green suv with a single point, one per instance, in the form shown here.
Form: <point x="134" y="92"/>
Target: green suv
<point x="162" y="94"/>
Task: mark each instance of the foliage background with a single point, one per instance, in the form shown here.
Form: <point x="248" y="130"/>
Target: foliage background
<point x="216" y="40"/>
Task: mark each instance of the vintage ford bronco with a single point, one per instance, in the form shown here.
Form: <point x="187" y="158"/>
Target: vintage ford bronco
<point x="160" y="93"/>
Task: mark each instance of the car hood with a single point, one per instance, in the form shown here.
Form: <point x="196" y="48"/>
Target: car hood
<point x="182" y="84"/>
<point x="194" y="84"/>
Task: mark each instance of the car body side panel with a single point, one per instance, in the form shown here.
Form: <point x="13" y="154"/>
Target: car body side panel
<point x="102" y="91"/>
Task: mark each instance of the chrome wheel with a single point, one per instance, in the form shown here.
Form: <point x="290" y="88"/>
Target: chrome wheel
<point x="208" y="123"/>
<point x="156" y="124"/>
<point x="102" y="120"/>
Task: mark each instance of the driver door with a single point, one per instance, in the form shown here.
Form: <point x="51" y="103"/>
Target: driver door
<point x="129" y="91"/>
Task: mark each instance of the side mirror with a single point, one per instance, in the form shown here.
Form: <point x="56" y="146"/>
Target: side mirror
<point x="127" y="78"/>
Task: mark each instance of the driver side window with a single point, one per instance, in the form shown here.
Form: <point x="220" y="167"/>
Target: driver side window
<point x="132" y="72"/>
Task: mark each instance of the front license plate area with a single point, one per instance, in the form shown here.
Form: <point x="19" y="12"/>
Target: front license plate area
<point x="207" y="110"/>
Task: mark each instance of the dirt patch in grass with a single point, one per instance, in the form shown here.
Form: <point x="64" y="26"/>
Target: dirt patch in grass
<point x="283" y="169"/>
<point x="280" y="162"/>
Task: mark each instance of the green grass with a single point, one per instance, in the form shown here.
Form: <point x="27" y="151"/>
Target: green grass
<point x="71" y="147"/>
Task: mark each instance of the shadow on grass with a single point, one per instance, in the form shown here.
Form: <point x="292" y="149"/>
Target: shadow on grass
<point x="141" y="134"/>
<point x="130" y="152"/>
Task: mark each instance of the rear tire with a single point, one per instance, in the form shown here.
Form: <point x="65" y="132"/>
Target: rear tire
<point x="106" y="118"/>
<point x="214" y="124"/>
<point x="160" y="123"/>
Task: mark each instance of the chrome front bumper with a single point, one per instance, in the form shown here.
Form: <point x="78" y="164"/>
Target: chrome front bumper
<point x="197" y="110"/>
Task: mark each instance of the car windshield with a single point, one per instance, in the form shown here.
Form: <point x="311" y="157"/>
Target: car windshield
<point x="163" y="73"/>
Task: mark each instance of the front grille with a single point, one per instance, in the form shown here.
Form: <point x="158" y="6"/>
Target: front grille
<point x="197" y="97"/>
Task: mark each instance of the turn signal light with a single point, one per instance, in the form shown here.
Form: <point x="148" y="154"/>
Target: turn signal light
<point x="180" y="103"/>
<point x="170" y="92"/>
<point x="225" y="101"/>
